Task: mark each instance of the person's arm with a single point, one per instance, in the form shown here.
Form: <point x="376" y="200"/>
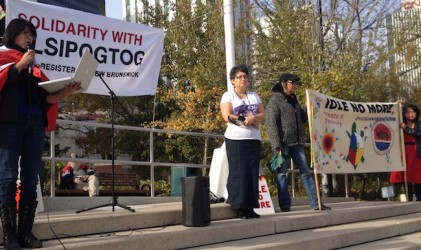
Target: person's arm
<point x="64" y="93"/>
<point x="226" y="110"/>
<point x="26" y="59"/>
<point x="273" y="124"/>
<point x="255" y="120"/>
<point x="303" y="112"/>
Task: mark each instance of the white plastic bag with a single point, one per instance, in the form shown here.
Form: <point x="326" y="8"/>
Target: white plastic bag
<point x="218" y="173"/>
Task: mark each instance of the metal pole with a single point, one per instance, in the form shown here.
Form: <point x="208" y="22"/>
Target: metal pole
<point x="152" y="159"/>
<point x="346" y="186"/>
<point x="292" y="179"/>
<point x="52" y="165"/>
<point x="229" y="39"/>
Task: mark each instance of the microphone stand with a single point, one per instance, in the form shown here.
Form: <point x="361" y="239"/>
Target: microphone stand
<point x="114" y="201"/>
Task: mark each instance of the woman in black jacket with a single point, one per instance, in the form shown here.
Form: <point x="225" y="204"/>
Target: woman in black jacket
<point x="25" y="111"/>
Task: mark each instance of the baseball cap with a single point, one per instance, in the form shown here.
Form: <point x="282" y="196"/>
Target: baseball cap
<point x="288" y="77"/>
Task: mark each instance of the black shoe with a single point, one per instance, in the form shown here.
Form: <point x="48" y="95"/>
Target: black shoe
<point x="8" y="220"/>
<point x="253" y="214"/>
<point x="324" y="208"/>
<point x="242" y="214"/>
<point x="247" y="213"/>
<point x="285" y="209"/>
<point x="29" y="241"/>
<point x="25" y="223"/>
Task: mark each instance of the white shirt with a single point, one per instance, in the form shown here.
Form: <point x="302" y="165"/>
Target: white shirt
<point x="246" y="106"/>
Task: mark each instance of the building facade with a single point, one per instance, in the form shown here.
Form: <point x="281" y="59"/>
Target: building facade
<point x="135" y="9"/>
<point x="407" y="25"/>
<point x="91" y="6"/>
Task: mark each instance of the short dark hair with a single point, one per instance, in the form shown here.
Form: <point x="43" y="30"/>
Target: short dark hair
<point x="238" y="68"/>
<point x="14" y="28"/>
<point x="277" y="88"/>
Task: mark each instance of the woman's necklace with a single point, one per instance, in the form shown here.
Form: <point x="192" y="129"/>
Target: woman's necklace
<point x="410" y="124"/>
<point x="244" y="96"/>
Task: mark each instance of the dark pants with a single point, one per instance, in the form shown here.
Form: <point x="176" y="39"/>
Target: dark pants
<point x="243" y="179"/>
<point x="413" y="188"/>
<point x="21" y="145"/>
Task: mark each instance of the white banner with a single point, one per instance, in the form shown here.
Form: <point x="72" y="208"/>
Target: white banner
<point x="354" y="137"/>
<point x="265" y="200"/>
<point x="129" y="54"/>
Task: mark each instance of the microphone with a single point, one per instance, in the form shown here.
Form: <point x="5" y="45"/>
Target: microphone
<point x="31" y="65"/>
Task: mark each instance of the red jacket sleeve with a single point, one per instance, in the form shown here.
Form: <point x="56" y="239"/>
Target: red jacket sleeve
<point x="10" y="57"/>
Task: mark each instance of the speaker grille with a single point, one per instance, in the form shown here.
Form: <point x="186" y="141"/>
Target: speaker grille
<point x="195" y="201"/>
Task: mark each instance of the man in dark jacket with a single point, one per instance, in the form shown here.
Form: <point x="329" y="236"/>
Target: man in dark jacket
<point x="284" y="121"/>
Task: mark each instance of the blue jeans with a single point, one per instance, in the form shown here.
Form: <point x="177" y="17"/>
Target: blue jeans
<point x="21" y="145"/>
<point x="296" y="153"/>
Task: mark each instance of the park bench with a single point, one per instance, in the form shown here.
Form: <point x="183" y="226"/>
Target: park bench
<point x="125" y="184"/>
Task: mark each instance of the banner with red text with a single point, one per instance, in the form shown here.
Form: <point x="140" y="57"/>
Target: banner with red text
<point x="354" y="137"/>
<point x="129" y="54"/>
<point x="265" y="200"/>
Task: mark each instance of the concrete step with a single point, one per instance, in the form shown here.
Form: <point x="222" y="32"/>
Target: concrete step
<point x="331" y="237"/>
<point x="158" y="226"/>
<point x="402" y="242"/>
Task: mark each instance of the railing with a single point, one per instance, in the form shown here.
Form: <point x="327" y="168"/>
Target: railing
<point x="151" y="163"/>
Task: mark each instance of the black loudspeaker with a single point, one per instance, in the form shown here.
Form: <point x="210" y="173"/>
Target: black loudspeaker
<point x="195" y="201"/>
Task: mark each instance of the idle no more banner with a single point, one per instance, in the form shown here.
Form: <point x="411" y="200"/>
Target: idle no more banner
<point x="129" y="54"/>
<point x="354" y="137"/>
<point x="265" y="200"/>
